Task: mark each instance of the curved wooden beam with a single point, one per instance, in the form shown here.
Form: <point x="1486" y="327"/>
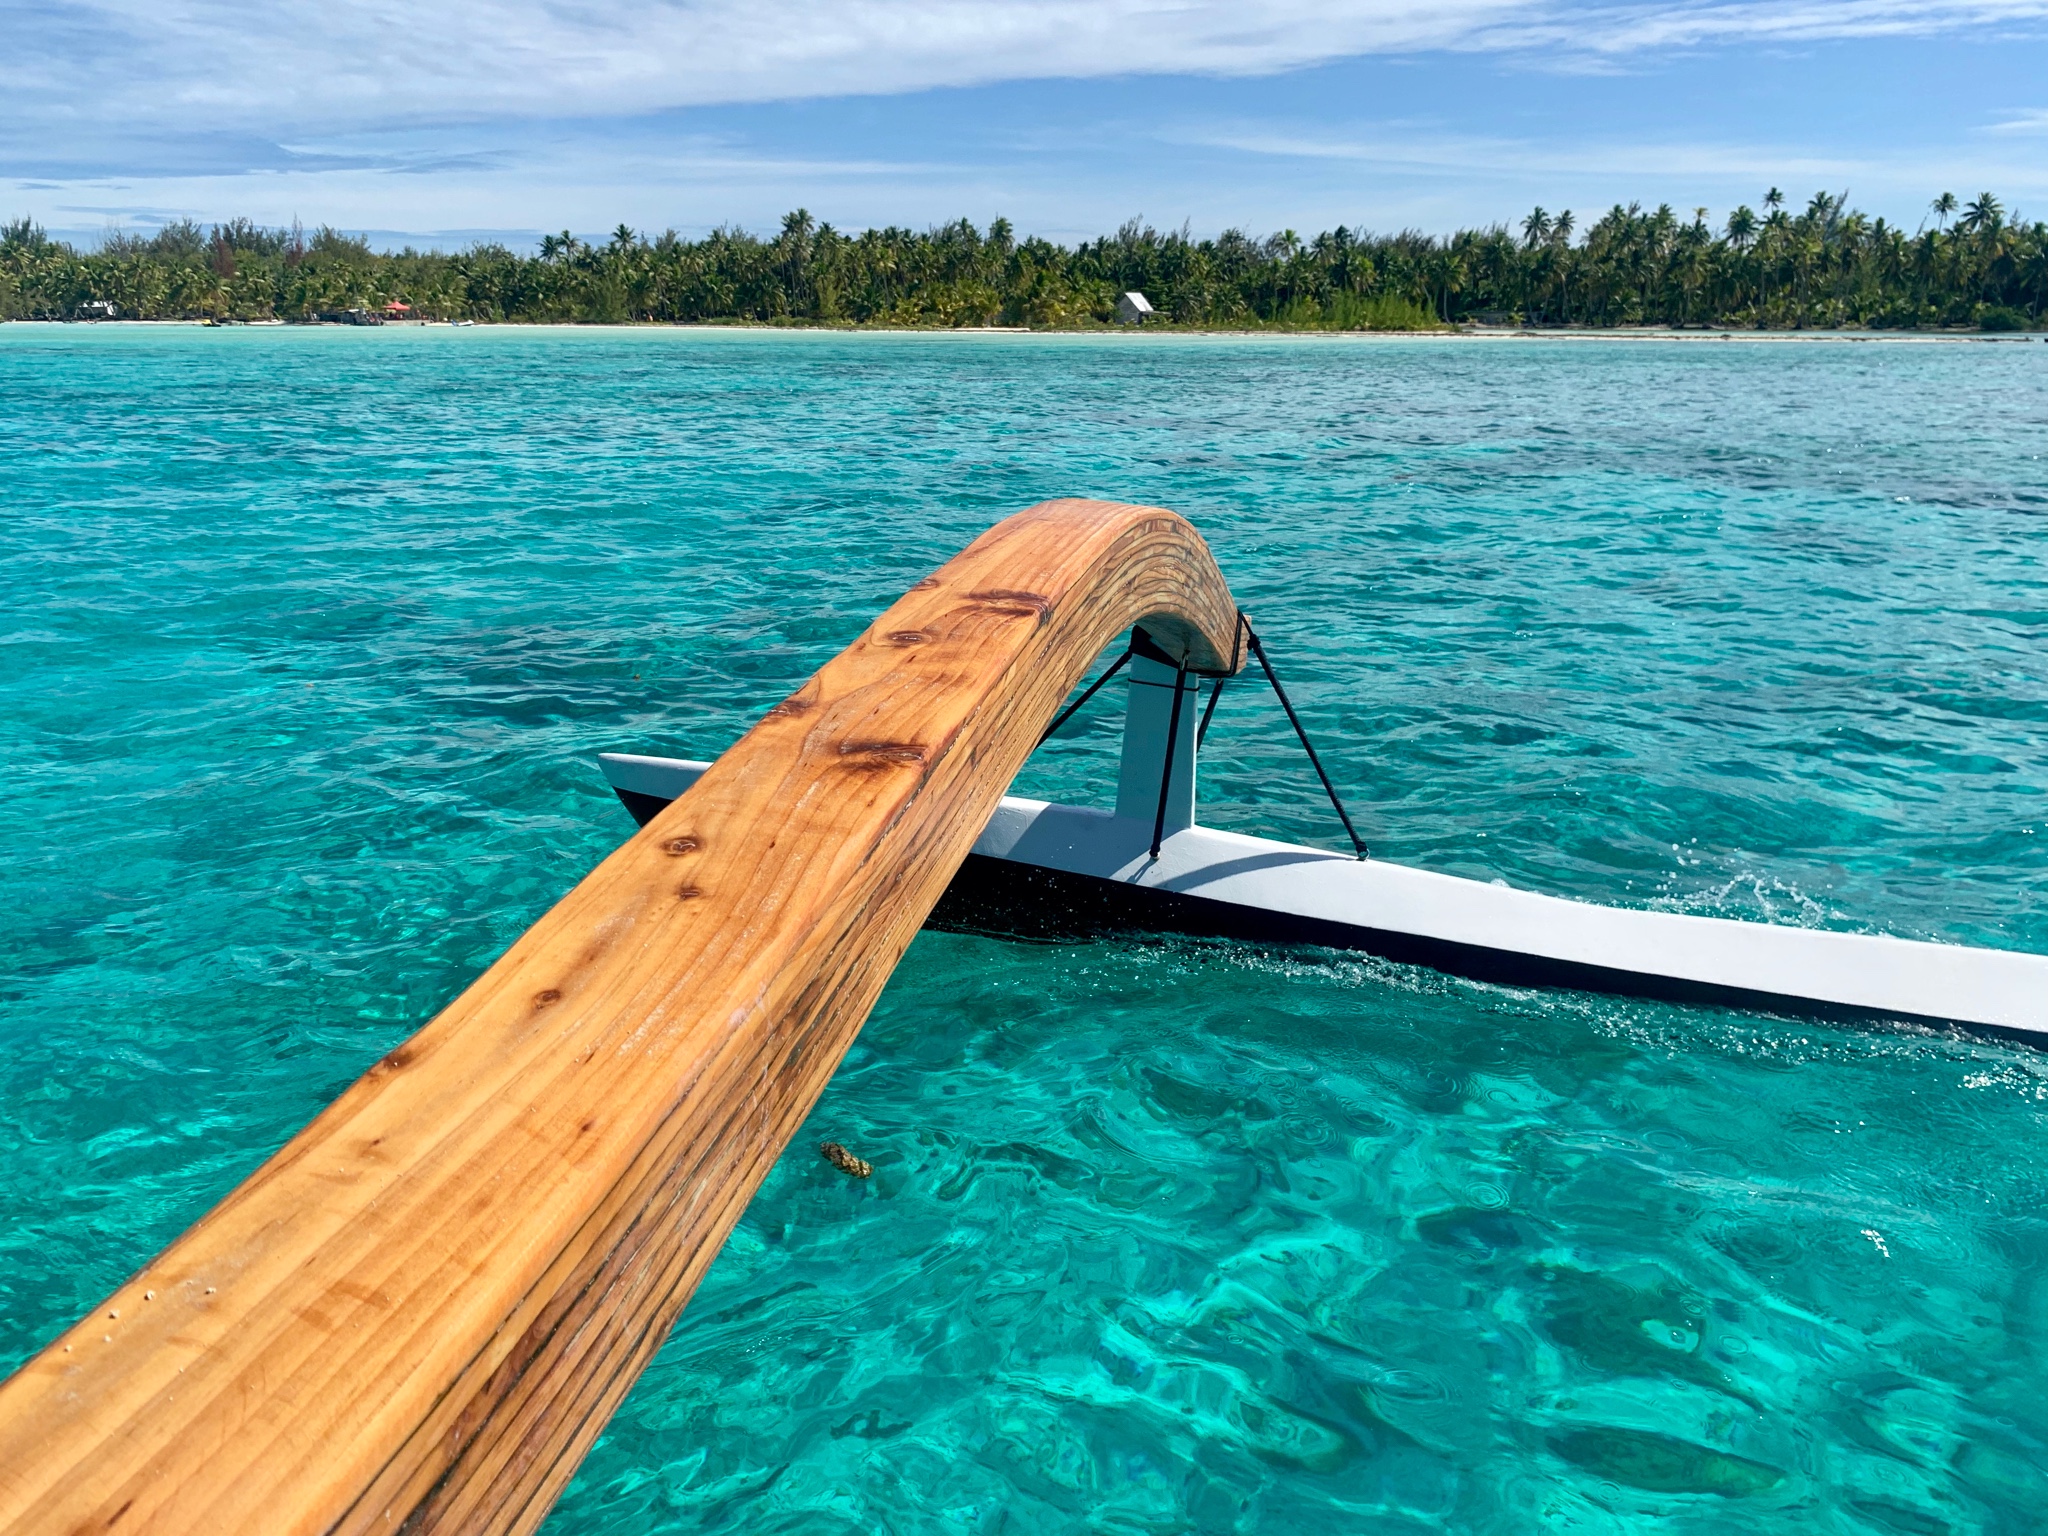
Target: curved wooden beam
<point x="418" y="1315"/>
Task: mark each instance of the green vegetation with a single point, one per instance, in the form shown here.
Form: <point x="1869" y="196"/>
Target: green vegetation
<point x="1827" y="266"/>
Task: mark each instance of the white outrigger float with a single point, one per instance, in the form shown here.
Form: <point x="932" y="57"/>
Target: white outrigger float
<point x="1048" y="870"/>
<point x="503" y="1217"/>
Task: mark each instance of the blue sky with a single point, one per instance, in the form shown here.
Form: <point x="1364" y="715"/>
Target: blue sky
<point x="509" y="117"/>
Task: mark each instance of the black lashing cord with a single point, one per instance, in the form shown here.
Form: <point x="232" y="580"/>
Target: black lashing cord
<point x="1202" y="730"/>
<point x="1294" y="720"/>
<point x="1180" y="683"/>
<point x="1209" y="709"/>
<point x="1067" y="714"/>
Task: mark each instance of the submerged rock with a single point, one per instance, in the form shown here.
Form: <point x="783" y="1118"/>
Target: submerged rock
<point x="1662" y="1463"/>
<point x="845" y="1161"/>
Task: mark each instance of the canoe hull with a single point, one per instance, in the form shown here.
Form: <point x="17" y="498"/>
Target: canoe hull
<point x="1053" y="872"/>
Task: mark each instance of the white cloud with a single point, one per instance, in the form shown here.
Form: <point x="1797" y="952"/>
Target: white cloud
<point x="1403" y="147"/>
<point x="325" y="65"/>
<point x="1257" y="174"/>
<point x="1626" y="29"/>
<point x="1716" y="172"/>
<point x="501" y="114"/>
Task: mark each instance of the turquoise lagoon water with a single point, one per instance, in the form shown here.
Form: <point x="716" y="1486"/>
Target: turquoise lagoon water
<point x="309" y="639"/>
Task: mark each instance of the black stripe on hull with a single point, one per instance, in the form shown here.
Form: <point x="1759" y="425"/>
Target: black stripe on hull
<point x="1000" y="898"/>
<point x="644" y="808"/>
<point x="1027" y="901"/>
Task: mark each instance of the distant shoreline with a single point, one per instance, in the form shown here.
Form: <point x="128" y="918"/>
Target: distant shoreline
<point x="1132" y="333"/>
<point x="1828" y="271"/>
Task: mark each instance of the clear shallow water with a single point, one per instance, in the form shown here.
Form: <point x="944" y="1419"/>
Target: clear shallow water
<point x="309" y="637"/>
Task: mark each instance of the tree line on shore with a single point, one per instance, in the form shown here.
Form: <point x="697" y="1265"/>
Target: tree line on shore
<point x="1967" y="265"/>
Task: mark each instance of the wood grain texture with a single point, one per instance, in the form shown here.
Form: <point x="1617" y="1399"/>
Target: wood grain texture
<point x="418" y="1315"/>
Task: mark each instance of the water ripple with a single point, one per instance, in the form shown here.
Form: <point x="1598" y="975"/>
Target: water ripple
<point x="309" y="639"/>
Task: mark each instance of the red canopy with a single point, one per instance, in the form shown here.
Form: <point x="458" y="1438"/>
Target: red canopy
<point x="394" y="304"/>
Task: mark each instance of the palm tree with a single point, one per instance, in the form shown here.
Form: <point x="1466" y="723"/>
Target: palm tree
<point x="1826" y="265"/>
<point x="1688" y="265"/>
<point x="795" y="248"/>
<point x="1561" y="235"/>
<point x="1742" y="228"/>
<point x="2035" y="273"/>
<point x="1772" y="240"/>
<point x="1985" y="214"/>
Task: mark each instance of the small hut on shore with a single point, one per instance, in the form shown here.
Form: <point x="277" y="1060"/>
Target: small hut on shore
<point x="1134" y="309"/>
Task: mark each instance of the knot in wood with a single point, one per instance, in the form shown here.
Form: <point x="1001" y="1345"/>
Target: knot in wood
<point x="1012" y="604"/>
<point x="876" y="753"/>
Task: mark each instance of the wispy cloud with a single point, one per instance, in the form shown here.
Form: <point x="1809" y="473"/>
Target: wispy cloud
<point x="586" y="181"/>
<point x="337" y="65"/>
<point x="1422" y="149"/>
<point x="1631" y="29"/>
<point x="493" y="114"/>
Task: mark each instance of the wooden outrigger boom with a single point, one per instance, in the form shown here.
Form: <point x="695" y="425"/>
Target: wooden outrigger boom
<point x="419" y="1314"/>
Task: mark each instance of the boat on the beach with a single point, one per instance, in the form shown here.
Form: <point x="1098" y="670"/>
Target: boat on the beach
<point x="1043" y="870"/>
